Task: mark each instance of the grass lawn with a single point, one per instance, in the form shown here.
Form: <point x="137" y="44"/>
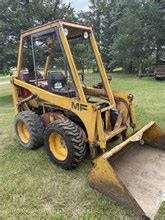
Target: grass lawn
<point x="32" y="187"/>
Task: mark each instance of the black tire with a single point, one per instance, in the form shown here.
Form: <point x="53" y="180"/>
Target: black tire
<point x="74" y="139"/>
<point x="34" y="126"/>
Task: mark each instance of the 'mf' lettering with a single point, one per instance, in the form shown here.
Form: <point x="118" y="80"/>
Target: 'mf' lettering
<point x="79" y="107"/>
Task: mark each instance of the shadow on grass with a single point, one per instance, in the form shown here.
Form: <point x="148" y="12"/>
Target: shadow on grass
<point x="5" y="100"/>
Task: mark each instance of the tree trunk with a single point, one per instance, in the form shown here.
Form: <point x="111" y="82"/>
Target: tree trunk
<point x="140" y="70"/>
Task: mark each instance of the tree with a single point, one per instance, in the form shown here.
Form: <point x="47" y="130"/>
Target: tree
<point x="136" y="44"/>
<point x="113" y="13"/>
<point x="16" y="16"/>
<point x="129" y="33"/>
<point x="160" y="43"/>
<point x="105" y="18"/>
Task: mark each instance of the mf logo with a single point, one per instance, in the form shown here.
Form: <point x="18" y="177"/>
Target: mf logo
<point x="79" y="106"/>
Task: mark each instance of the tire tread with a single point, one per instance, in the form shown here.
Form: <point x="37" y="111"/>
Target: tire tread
<point x="77" y="140"/>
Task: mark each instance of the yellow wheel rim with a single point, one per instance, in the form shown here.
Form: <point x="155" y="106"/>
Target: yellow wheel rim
<point x="58" y="146"/>
<point x="23" y="132"/>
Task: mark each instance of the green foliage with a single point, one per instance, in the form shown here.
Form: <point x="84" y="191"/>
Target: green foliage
<point x="113" y="14"/>
<point x="130" y="34"/>
<point x="16" y="16"/>
<point x="137" y="43"/>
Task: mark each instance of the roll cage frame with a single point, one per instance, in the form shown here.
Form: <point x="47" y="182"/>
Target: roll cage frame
<point x="89" y="113"/>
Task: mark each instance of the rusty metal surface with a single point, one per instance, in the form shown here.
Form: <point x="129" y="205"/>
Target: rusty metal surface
<point x="105" y="180"/>
<point x="50" y="117"/>
<point x="159" y="143"/>
<point x="133" y="173"/>
<point x="155" y="137"/>
<point x="142" y="170"/>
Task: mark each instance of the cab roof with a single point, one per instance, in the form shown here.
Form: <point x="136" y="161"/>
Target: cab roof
<point x="56" y="23"/>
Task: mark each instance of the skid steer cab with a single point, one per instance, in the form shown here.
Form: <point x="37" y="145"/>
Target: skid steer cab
<point x="63" y="99"/>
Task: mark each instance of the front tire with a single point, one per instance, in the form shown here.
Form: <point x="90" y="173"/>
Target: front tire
<point x="29" y="129"/>
<point x="65" y="143"/>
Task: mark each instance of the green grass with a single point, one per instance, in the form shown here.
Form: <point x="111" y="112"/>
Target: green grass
<point x="32" y="187"/>
<point x="4" y="78"/>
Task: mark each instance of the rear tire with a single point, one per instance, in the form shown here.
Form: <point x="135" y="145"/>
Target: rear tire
<point x="29" y="129"/>
<point x="65" y="143"/>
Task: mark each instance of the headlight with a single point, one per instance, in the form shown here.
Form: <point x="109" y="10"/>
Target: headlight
<point x="66" y="31"/>
<point x="86" y="35"/>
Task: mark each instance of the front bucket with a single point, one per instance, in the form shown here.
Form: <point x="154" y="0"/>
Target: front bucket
<point x="133" y="172"/>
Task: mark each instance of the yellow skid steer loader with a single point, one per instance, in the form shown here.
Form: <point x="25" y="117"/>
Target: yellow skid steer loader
<point x="68" y="106"/>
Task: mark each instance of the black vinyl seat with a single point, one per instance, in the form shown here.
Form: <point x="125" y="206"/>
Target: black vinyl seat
<point x="57" y="83"/>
